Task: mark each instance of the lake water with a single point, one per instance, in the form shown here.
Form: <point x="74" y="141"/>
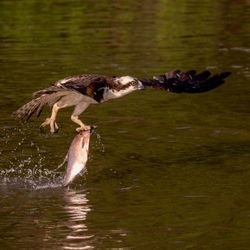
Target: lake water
<point x="171" y="171"/>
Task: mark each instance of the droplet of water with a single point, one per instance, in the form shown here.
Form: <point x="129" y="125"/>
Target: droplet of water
<point x="24" y="168"/>
<point x="99" y="144"/>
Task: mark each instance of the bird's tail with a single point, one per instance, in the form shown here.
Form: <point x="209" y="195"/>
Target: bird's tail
<point x="189" y="82"/>
<point x="36" y="106"/>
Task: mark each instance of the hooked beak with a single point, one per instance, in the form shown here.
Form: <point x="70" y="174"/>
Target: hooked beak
<point x="140" y="86"/>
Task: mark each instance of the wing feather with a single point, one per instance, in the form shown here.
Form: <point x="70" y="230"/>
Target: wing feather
<point x="189" y="82"/>
<point x="89" y="85"/>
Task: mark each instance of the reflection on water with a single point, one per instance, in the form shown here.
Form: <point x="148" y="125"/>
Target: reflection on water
<point x="77" y="208"/>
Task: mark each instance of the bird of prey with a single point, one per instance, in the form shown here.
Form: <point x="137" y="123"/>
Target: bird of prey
<point x="82" y="90"/>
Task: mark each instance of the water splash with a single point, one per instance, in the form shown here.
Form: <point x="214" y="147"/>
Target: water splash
<point x="23" y="161"/>
<point x="98" y="143"/>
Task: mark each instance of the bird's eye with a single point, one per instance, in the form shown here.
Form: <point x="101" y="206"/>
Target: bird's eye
<point x="133" y="83"/>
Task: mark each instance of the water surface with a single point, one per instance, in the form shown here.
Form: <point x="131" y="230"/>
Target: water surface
<point x="171" y="171"/>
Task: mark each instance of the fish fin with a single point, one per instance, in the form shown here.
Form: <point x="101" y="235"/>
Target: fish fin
<point x="64" y="161"/>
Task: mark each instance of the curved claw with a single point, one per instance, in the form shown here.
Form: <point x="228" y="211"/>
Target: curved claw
<point x="85" y="127"/>
<point x="53" y="125"/>
<point x="54" y="129"/>
<point x="45" y="123"/>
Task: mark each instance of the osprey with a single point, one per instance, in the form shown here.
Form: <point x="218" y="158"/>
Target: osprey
<point x="82" y="90"/>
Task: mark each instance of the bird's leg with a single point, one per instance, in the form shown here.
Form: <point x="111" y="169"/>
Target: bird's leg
<point x="75" y="118"/>
<point x="52" y="120"/>
<point x="79" y="108"/>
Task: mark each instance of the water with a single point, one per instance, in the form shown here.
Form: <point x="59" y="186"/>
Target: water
<point x="171" y="171"/>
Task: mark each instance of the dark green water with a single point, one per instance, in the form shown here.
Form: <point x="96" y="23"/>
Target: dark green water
<point x="171" y="171"/>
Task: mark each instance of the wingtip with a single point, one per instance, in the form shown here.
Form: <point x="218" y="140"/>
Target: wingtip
<point x="225" y="74"/>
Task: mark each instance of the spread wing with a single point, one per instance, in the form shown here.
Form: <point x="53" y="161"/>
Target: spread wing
<point x="89" y="85"/>
<point x="189" y="82"/>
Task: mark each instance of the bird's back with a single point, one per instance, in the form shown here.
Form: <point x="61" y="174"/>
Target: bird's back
<point x="86" y="84"/>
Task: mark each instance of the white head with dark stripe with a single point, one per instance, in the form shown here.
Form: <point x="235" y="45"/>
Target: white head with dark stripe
<point x="122" y="86"/>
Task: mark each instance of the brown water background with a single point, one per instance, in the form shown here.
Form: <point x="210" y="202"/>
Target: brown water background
<point x="171" y="171"/>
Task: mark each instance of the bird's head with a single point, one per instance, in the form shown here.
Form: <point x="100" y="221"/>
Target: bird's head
<point x="122" y="86"/>
<point x="127" y="84"/>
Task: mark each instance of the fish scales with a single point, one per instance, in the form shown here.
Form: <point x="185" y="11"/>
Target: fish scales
<point x="77" y="156"/>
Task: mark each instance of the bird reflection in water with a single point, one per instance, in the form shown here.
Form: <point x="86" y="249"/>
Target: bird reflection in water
<point x="77" y="208"/>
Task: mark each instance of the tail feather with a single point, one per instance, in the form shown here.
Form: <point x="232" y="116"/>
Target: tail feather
<point x="36" y="106"/>
<point x="189" y="82"/>
<point x="26" y="111"/>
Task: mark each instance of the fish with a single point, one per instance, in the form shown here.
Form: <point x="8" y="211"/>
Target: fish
<point x="77" y="155"/>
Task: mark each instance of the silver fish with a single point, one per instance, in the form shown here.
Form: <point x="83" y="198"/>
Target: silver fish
<point x="77" y="155"/>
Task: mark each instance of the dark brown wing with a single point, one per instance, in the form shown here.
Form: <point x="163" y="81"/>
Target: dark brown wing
<point x="89" y="85"/>
<point x="189" y="82"/>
